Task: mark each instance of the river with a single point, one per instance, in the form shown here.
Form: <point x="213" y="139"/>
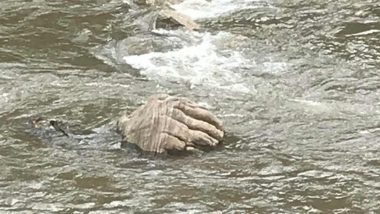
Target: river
<point x="296" y="83"/>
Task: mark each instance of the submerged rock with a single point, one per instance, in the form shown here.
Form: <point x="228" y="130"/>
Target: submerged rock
<point x="169" y="18"/>
<point x="166" y="17"/>
<point x="166" y="123"/>
<point x="48" y="128"/>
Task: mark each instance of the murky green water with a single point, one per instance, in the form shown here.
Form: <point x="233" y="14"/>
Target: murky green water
<point x="297" y="84"/>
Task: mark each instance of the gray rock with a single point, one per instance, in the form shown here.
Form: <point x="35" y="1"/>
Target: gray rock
<point x="173" y="18"/>
<point x="164" y="124"/>
<point x="167" y="123"/>
<point x="166" y="17"/>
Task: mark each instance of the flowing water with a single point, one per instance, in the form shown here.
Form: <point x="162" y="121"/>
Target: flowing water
<point x="296" y="83"/>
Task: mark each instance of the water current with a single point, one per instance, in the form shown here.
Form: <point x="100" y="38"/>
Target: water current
<point x="296" y="83"/>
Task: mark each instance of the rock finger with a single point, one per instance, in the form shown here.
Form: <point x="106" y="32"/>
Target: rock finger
<point x="202" y="139"/>
<point x="198" y="124"/>
<point x="176" y="129"/>
<point x="173" y="143"/>
<point x="200" y="114"/>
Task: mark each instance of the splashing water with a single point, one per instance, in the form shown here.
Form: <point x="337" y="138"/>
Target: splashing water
<point x="201" y="9"/>
<point x="198" y="64"/>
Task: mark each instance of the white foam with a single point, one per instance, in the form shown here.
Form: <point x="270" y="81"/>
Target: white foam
<point x="198" y="64"/>
<point x="367" y="32"/>
<point x="198" y="9"/>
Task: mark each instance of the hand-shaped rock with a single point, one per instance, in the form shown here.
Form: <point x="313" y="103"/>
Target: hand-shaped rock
<point x="167" y="123"/>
